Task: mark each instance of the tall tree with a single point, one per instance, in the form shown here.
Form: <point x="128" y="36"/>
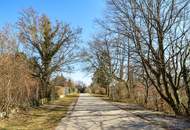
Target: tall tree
<point x="106" y="57"/>
<point x="50" y="46"/>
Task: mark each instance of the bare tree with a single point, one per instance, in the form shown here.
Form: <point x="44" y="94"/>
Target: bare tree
<point x="106" y="57"/>
<point x="8" y="41"/>
<point x="98" y="61"/>
<point x="159" y="30"/>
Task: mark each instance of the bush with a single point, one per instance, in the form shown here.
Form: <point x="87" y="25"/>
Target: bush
<point x="17" y="88"/>
<point x="96" y="89"/>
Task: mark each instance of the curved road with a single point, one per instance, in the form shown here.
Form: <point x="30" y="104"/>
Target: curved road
<point x="92" y="113"/>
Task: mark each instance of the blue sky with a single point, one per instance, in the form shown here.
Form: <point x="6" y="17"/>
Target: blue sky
<point x="78" y="13"/>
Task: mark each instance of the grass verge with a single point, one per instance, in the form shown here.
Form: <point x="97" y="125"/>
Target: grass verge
<point x="45" y="117"/>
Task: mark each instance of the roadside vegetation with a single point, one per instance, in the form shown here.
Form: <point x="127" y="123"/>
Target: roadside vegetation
<point x="34" y="51"/>
<point x="142" y="53"/>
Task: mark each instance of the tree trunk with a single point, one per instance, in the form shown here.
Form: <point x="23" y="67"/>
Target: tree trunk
<point x="146" y="93"/>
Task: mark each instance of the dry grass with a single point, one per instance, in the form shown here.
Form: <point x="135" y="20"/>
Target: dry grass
<point x="43" y="118"/>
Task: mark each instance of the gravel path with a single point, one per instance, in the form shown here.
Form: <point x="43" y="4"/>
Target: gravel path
<point x="92" y="113"/>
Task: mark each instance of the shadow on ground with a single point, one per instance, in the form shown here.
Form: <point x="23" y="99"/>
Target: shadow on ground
<point x="93" y="113"/>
